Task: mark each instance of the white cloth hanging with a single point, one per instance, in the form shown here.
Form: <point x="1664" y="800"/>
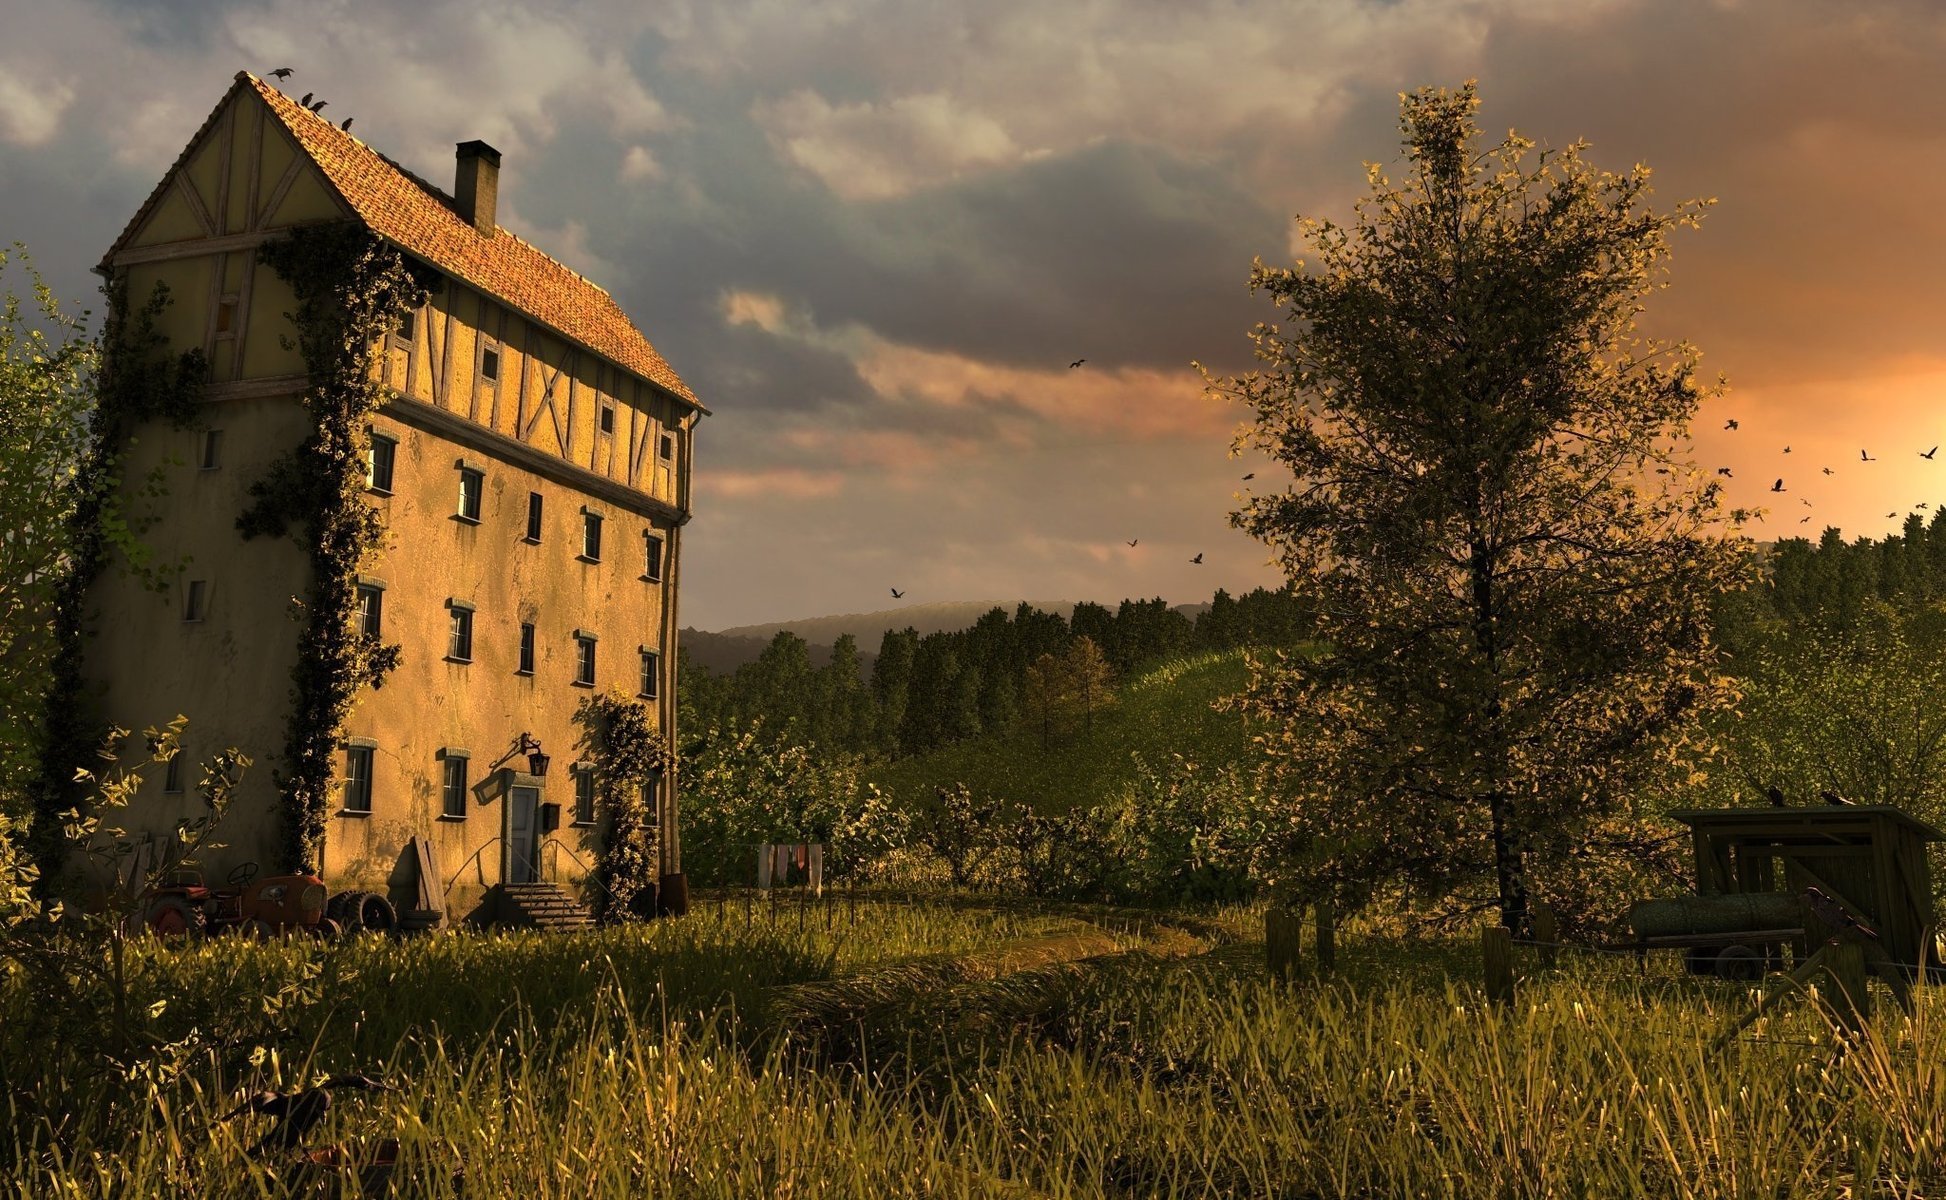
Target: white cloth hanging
<point x="763" y="866"/>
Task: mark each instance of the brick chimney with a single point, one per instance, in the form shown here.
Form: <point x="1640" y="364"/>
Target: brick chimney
<point x="476" y="185"/>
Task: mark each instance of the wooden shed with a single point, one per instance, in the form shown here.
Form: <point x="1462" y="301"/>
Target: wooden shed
<point x="1870" y="858"/>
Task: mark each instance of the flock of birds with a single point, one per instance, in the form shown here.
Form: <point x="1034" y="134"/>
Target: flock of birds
<point x="283" y="73"/>
<point x="1779" y="487"/>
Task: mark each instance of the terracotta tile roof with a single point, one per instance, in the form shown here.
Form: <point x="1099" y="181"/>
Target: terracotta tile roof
<point x="419" y="218"/>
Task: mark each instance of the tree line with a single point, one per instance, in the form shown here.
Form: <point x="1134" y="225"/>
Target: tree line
<point x="924" y="692"/>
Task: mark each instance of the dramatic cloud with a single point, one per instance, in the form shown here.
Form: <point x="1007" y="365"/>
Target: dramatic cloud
<point x="872" y="234"/>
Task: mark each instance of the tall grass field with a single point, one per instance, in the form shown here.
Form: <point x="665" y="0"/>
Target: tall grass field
<point x="906" y="1046"/>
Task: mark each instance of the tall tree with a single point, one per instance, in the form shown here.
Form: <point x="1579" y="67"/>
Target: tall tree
<point x="1089" y="678"/>
<point x="892" y="683"/>
<point x="1045" y="694"/>
<point x="1515" y="607"/>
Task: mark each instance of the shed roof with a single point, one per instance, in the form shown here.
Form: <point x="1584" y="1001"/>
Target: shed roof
<point x="1798" y="820"/>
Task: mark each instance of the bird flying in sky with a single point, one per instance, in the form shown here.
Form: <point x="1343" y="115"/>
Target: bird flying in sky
<point x="897" y="594"/>
<point x="1778" y="486"/>
<point x="1730" y="424"/>
<point x="1929" y="453"/>
<point x="1802" y="520"/>
<point x="281" y="73"/>
<point x="1198" y="558"/>
<point x="1132" y="541"/>
<point x="1805" y="503"/>
<point x="1787" y="449"/>
<point x="1829" y="471"/>
<point x="1251" y="475"/>
<point x="1725" y="472"/>
<point x="1077" y="362"/>
<point x="1864" y="457"/>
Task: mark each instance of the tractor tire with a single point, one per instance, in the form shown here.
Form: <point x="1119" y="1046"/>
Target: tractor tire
<point x="327" y="929"/>
<point x="170" y="917"/>
<point x="259" y="930"/>
<point x="1741" y="963"/>
<point x="335" y="908"/>
<point x="373" y="913"/>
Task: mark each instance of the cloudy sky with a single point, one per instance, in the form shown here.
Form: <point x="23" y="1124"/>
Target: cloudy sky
<point x="872" y="234"/>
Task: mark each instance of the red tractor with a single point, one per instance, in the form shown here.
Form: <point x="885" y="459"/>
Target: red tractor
<point x="268" y="907"/>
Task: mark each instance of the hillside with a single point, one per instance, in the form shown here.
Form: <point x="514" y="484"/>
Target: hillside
<point x="722" y="653"/>
<point x="1166" y="710"/>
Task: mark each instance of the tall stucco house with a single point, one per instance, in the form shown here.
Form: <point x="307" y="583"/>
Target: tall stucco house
<point x="530" y="465"/>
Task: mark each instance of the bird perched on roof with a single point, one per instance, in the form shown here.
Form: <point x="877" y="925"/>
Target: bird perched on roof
<point x="305" y="99"/>
<point x="298" y="1113"/>
<point x="1831" y="797"/>
<point x="1835" y="914"/>
<point x="1776" y="795"/>
<point x="346" y="126"/>
<point x="319" y="106"/>
<point x="281" y="73"/>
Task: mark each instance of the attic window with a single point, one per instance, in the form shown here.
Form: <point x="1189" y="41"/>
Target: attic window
<point x="225" y="315"/>
<point x="607" y="417"/>
<point x="489" y="365"/>
<point x="668" y="447"/>
<point x="405" y="326"/>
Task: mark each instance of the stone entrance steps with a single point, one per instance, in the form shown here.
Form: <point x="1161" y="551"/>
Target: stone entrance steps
<point x="539" y="906"/>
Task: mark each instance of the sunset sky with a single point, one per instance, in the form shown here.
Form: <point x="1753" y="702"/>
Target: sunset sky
<point x="872" y="234"/>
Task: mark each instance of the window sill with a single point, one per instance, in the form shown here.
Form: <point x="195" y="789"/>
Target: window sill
<point x="582" y="824"/>
<point x="463" y="519"/>
<point x="449" y="817"/>
<point x="464" y="662"/>
<point x="192" y="620"/>
<point x="354" y="812"/>
<point x="531" y="541"/>
<point x="582" y="683"/>
<point x="375" y="490"/>
<point x="650" y="578"/>
<point x="586" y="559"/>
<point x="647" y="696"/>
<point x="525" y="674"/>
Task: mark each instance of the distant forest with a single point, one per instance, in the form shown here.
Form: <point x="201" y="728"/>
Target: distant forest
<point x="1835" y="584"/>
<point x="923" y="692"/>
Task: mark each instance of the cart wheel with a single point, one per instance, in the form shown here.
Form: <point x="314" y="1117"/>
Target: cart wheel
<point x="1739" y="962"/>
<point x="1700" y="960"/>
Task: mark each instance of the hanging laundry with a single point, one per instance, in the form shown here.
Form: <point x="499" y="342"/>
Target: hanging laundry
<point x="803" y="857"/>
<point x="764" y="858"/>
<point x="817" y="867"/>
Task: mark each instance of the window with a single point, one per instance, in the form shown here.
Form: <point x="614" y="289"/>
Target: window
<point x="459" y="648"/>
<point x="652" y="558"/>
<point x="378" y="463"/>
<point x="533" y="517"/>
<point x="371" y="609"/>
<point x="172" y="774"/>
<point x="226" y="316"/>
<point x="212" y="449"/>
<point x="590" y="536"/>
<point x="607" y="417"/>
<point x="452" y="789"/>
<point x="489" y="365"/>
<point x="584" y="794"/>
<point x="195" y="601"/>
<point x="526" y="650"/>
<point x="668" y="447"/>
<point x="471" y="483"/>
<point x="358" y="779"/>
<point x="651" y="674"/>
<point x="405" y="326"/>
<point x="584" y="659"/>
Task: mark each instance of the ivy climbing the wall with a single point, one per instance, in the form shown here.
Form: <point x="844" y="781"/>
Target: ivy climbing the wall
<point x="625" y="751"/>
<point x="351" y="290"/>
<point x="140" y="380"/>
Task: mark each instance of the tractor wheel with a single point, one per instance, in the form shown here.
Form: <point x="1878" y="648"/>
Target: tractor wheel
<point x="327" y="929"/>
<point x="172" y="917"/>
<point x="1700" y="960"/>
<point x="375" y="913"/>
<point x="259" y="930"/>
<point x="1739" y="963"/>
<point x="337" y="908"/>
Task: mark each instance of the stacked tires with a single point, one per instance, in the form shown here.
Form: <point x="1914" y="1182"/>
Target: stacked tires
<point x="369" y="911"/>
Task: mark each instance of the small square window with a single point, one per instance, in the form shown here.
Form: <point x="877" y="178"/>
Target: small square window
<point x="526" y="650"/>
<point x="584" y="796"/>
<point x="406" y="325"/>
<point x="371" y="610"/>
<point x="212" y="449"/>
<point x="652" y="558"/>
<point x="459" y="647"/>
<point x="226" y="316"/>
<point x="534" y="517"/>
<point x="591" y="536"/>
<point x="195" y="601"/>
<point x="584" y="660"/>
<point x="652" y="799"/>
<point x="172" y="772"/>
<point x="471" y="484"/>
<point x="452" y="789"/>
<point x="489" y="365"/>
<point x="358" y="779"/>
<point x="668" y="447"/>
<point x="651" y="675"/>
<point x="607" y="417"/>
<point x="378" y="463"/>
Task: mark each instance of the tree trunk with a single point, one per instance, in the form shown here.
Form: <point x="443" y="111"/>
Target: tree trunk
<point x="1509" y="869"/>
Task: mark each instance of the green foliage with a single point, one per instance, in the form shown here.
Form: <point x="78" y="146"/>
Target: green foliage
<point x="135" y="379"/>
<point x="351" y="290"/>
<point x="1517" y="614"/>
<point x="626" y="751"/>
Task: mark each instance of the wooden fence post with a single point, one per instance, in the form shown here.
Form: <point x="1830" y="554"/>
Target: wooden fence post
<point x="1497" y="953"/>
<point x="1545" y="932"/>
<point x="1327" y="935"/>
<point x="1851" y="995"/>
<point x="1282" y="928"/>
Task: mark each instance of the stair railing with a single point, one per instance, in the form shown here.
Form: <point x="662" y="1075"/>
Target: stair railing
<point x="469" y="862"/>
<point x="588" y="872"/>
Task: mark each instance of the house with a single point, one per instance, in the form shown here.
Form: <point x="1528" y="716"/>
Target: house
<point x="529" y="465"/>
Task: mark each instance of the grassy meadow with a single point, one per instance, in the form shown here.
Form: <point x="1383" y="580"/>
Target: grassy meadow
<point x="942" y="1046"/>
